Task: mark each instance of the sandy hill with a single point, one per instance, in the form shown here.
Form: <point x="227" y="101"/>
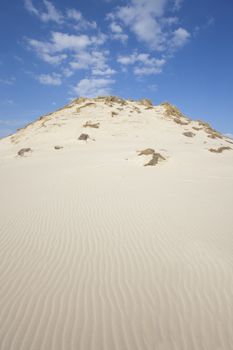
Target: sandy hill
<point x="113" y="124"/>
<point x="116" y="231"/>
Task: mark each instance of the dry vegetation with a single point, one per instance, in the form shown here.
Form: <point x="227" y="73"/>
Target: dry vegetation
<point x="89" y="124"/>
<point x="109" y="100"/>
<point x="180" y="122"/>
<point x="146" y="152"/>
<point x="174" y="113"/>
<point x="114" y="114"/>
<point x="196" y="128"/>
<point x="146" y="102"/>
<point x="220" y="149"/>
<point x="156" y="157"/>
<point x="84" y="137"/>
<point x="22" y="152"/>
<point x="189" y="134"/>
<point x="212" y="133"/>
<point x="88" y="104"/>
<point x="79" y="100"/>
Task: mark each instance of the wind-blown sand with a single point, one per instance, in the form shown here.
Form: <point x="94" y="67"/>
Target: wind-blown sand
<point x="99" y="252"/>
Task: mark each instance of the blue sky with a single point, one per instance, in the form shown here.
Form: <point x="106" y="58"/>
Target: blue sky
<point x="166" y="50"/>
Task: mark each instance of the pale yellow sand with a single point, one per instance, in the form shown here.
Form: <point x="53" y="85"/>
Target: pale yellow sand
<point x="98" y="252"/>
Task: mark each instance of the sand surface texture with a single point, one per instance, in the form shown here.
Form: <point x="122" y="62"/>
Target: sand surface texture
<point x="98" y="251"/>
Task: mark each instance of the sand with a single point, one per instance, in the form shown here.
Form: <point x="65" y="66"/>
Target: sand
<point x="99" y="252"/>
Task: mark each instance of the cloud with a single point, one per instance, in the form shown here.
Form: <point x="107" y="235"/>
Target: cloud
<point x="64" y="41"/>
<point x="180" y="38"/>
<point x="210" y="22"/>
<point x="146" y="19"/>
<point x="177" y="5"/>
<point x="94" y="60"/>
<point x="141" y="17"/>
<point x="55" y="50"/>
<point x="77" y="48"/>
<point x="93" y="87"/>
<point x="8" y="81"/>
<point x="82" y="23"/>
<point x="49" y="79"/>
<point x="144" y="63"/>
<point x="117" y="32"/>
<point x="51" y="13"/>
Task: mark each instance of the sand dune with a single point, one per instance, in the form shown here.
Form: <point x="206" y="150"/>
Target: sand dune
<point x="99" y="252"/>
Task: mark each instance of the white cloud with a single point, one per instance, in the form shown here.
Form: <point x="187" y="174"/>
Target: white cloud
<point x="180" y="38"/>
<point x="107" y="72"/>
<point x="141" y="16"/>
<point x="51" y="13"/>
<point x="116" y="28"/>
<point x="82" y="23"/>
<point x="147" y="20"/>
<point x="53" y="51"/>
<point x="94" y="60"/>
<point x="49" y="79"/>
<point x="93" y="87"/>
<point x="67" y="72"/>
<point x="121" y="37"/>
<point x="144" y="63"/>
<point x="46" y="51"/>
<point x="64" y="41"/>
<point x="117" y="32"/>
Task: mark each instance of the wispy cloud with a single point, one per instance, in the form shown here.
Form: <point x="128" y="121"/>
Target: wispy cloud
<point x="94" y="60"/>
<point x="80" y="22"/>
<point x="8" y="81"/>
<point x="93" y="87"/>
<point x="180" y="38"/>
<point x="50" y="79"/>
<point x="49" y="14"/>
<point x="143" y="63"/>
<point x="80" y="46"/>
<point x="177" y="5"/>
<point x="147" y="21"/>
<point x="117" y="32"/>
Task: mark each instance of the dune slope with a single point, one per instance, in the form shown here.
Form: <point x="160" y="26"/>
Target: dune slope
<point x="99" y="251"/>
